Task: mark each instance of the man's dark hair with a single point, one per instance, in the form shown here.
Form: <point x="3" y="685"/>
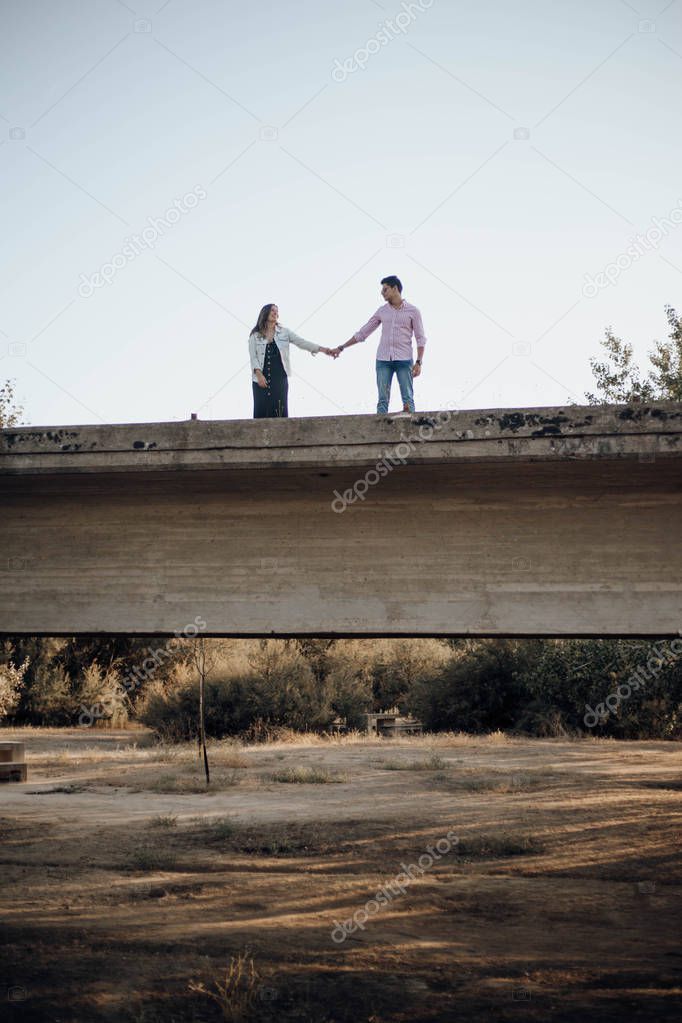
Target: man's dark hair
<point x="393" y="282"/>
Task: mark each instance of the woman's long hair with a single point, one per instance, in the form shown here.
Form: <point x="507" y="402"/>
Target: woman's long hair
<point x="261" y="323"/>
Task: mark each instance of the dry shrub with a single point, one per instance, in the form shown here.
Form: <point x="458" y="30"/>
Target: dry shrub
<point x="237" y="992"/>
<point x="251" y="690"/>
<point x="104" y="697"/>
<point x="11" y="683"/>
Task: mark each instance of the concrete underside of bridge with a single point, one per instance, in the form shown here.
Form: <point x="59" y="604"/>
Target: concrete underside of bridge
<point x="523" y="522"/>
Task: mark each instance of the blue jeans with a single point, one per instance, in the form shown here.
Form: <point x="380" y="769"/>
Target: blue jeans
<point x="403" y="370"/>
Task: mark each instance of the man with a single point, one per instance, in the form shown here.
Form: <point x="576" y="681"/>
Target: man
<point x="398" y="321"/>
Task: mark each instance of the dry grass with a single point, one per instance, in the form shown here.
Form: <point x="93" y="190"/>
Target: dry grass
<point x="259" y="840"/>
<point x="221" y="753"/>
<point x="236" y="993"/>
<point x="501" y="782"/>
<point x="150" y="858"/>
<point x="186" y="782"/>
<point x="307" y="776"/>
<point x="164" y="820"/>
<point x="142" y="770"/>
<point x="288" y="737"/>
<point x="434" y="762"/>
<point x="491" y="847"/>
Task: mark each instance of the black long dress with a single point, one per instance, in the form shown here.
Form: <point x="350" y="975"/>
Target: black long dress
<point x="272" y="402"/>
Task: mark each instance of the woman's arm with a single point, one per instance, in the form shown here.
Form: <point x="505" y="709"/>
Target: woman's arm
<point x="256" y="372"/>
<point x="309" y="346"/>
<point x="252" y="353"/>
<point x="300" y="342"/>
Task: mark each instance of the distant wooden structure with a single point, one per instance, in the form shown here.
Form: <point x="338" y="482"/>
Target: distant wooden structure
<point x="392" y="723"/>
<point x="12" y="764"/>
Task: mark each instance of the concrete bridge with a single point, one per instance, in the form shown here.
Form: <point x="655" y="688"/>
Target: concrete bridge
<point x="513" y="522"/>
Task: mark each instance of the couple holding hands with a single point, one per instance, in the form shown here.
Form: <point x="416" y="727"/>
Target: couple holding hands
<point x="399" y="321"/>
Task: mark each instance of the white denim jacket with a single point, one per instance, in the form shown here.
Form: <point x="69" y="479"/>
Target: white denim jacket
<point x="283" y="338"/>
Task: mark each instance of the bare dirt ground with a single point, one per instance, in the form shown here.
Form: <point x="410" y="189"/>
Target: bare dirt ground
<point x="124" y="882"/>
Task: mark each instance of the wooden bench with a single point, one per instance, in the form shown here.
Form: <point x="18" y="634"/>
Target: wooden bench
<point x="12" y="764"/>
<point x="392" y="723"/>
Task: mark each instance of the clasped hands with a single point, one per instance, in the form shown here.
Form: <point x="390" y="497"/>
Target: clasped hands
<point x="334" y="352"/>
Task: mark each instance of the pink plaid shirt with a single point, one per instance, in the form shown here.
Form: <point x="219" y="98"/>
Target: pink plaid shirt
<point x="397" y="327"/>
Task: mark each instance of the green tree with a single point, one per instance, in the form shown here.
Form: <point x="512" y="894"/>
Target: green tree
<point x="619" y="379"/>
<point x="482" y="688"/>
<point x="11" y="682"/>
<point x="666" y="359"/>
<point x="10" y="411"/>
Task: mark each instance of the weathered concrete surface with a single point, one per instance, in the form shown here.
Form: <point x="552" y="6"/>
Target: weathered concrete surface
<point x="542" y="433"/>
<point x="555" y="521"/>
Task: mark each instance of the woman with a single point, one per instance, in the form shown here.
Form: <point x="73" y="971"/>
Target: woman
<point x="270" y="366"/>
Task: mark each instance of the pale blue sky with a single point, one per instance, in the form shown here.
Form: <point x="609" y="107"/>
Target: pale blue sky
<point x="315" y="189"/>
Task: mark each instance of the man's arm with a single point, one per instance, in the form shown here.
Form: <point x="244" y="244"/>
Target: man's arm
<point x="417" y="368"/>
<point x="420" y="338"/>
<point x="362" y="334"/>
